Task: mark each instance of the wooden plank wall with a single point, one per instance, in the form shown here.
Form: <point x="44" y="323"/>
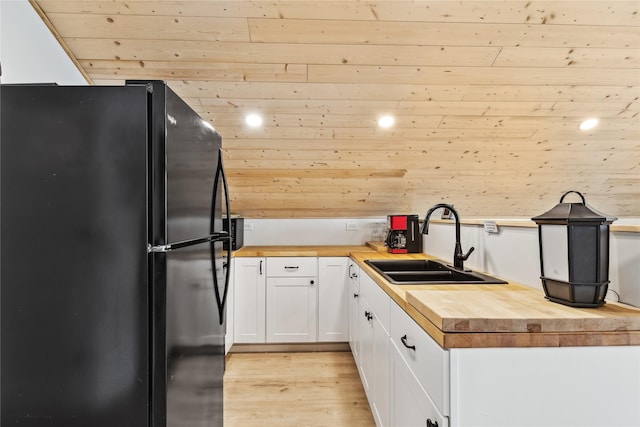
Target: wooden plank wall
<point x="487" y="97"/>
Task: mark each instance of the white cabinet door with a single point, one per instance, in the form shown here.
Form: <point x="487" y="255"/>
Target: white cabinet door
<point x="427" y="360"/>
<point x="354" y="316"/>
<point x="292" y="299"/>
<point x="365" y="332"/>
<point x="353" y="273"/>
<point x="333" y="309"/>
<point x="249" y="296"/>
<point x="292" y="309"/>
<point x="373" y="361"/>
<point x="546" y="386"/>
<point x="410" y="404"/>
<point x="380" y="373"/>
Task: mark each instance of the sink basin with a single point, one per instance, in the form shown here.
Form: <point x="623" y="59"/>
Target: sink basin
<point x="424" y="272"/>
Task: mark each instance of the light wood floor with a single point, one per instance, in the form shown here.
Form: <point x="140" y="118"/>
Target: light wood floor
<point x="294" y="389"/>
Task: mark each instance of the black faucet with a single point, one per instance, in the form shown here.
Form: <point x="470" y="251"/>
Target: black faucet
<point x="458" y="257"/>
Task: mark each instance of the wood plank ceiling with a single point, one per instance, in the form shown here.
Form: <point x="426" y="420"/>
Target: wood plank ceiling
<point x="487" y="97"/>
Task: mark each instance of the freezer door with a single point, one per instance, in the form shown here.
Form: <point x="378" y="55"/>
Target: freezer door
<point x="185" y="155"/>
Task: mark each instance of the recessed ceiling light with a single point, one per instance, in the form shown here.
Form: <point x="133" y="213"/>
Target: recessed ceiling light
<point x="386" y="121"/>
<point x="588" y="124"/>
<point x="253" y="120"/>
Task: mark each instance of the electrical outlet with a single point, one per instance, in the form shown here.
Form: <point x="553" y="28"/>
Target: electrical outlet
<point x="352" y="226"/>
<point x="248" y="226"/>
<point x="491" y="227"/>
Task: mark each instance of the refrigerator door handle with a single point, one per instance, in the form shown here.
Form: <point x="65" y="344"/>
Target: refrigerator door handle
<point x="214" y="237"/>
<point x="220" y="175"/>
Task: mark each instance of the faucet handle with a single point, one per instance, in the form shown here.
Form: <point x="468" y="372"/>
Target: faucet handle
<point x="466" y="256"/>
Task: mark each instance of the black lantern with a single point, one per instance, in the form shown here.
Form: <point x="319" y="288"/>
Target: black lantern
<point x="574" y="253"/>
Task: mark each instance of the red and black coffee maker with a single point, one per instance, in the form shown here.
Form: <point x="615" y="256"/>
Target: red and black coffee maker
<point x="403" y="235"/>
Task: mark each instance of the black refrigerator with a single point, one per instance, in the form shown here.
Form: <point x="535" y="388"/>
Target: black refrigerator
<point x="113" y="280"/>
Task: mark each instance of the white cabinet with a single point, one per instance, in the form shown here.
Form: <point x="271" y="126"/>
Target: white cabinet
<point x="373" y="324"/>
<point x="292" y="300"/>
<point x="423" y="356"/>
<point x="249" y="300"/>
<point x="546" y="386"/>
<point x="380" y="373"/>
<point x="419" y="391"/>
<point x="365" y="333"/>
<point x="458" y="387"/>
<point x="333" y="289"/>
<point x="410" y="403"/>
<point x="354" y="309"/>
<point x="404" y="372"/>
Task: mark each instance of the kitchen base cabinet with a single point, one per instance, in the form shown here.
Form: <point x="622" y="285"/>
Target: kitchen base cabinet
<point x="333" y="310"/>
<point x="291" y="309"/>
<point x="410" y="404"/>
<point x="365" y="332"/>
<point x="292" y="299"/>
<point x="373" y="363"/>
<point x="548" y="386"/>
<point x="380" y="374"/>
<point x="499" y="387"/>
<point x="425" y="358"/>
<point x="249" y="300"/>
<point x="354" y="309"/>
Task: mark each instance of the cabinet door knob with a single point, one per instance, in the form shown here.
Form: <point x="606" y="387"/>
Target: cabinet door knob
<point x="356" y="295"/>
<point x="312" y="282"/>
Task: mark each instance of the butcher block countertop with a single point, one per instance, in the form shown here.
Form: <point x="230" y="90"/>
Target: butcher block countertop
<point x="478" y="316"/>
<point x="260" y="251"/>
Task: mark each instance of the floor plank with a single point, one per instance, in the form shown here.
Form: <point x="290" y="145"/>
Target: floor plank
<point x="294" y="390"/>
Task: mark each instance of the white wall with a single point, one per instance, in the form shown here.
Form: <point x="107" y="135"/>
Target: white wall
<point x="29" y="53"/>
<point x="513" y="254"/>
<point x="313" y="231"/>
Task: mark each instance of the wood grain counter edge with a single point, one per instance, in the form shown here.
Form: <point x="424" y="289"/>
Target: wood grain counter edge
<point x="301" y="251"/>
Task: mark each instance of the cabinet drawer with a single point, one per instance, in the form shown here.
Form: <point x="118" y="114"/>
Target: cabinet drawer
<point x="428" y="361"/>
<point x="292" y="266"/>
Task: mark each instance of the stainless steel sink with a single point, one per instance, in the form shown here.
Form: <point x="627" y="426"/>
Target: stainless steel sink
<point x="424" y="272"/>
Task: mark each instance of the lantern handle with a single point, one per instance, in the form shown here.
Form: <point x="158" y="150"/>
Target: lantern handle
<point x="578" y="193"/>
